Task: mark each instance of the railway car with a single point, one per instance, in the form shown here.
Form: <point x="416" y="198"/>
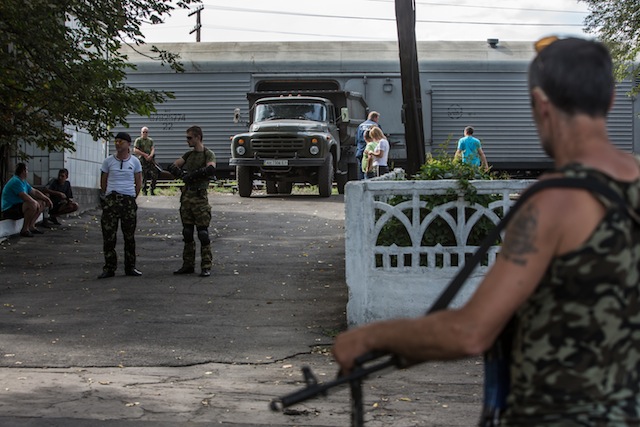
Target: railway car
<point x="462" y="83"/>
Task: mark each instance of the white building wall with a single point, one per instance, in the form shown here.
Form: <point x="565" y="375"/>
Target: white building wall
<point x="84" y="164"/>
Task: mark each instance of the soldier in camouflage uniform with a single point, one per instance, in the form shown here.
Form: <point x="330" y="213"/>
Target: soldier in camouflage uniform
<point x="568" y="273"/>
<point x="195" y="168"/>
<point x="120" y="183"/>
<point x="145" y="150"/>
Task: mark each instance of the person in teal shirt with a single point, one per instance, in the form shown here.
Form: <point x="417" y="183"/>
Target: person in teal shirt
<point x="470" y="149"/>
<point x="20" y="200"/>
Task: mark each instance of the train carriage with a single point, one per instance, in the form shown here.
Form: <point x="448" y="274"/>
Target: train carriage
<point x="462" y="83"/>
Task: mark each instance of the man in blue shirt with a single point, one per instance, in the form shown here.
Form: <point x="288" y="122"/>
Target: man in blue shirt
<point x="20" y="200"/>
<point x="372" y="120"/>
<point x="470" y="149"/>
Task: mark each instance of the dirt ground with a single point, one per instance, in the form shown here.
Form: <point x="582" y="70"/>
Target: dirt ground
<point x="171" y="350"/>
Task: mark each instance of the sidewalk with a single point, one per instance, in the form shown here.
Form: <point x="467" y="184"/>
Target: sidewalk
<point x="162" y="350"/>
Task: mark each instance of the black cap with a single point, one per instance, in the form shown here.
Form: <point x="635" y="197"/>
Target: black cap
<point x="124" y="136"/>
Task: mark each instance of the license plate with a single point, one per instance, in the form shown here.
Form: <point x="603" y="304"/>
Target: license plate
<point x="275" y="162"/>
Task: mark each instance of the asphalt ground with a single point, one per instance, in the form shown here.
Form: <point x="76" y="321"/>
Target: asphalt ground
<point x="166" y="350"/>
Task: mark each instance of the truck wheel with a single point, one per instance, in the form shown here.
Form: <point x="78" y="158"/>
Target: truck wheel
<point x="271" y="187"/>
<point x="285" y="187"/>
<point x="245" y="181"/>
<point x="325" y="177"/>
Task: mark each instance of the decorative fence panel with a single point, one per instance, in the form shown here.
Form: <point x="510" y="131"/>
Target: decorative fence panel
<point x="403" y="281"/>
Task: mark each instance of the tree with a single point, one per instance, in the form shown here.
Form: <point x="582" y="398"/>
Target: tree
<point x="617" y="24"/>
<point x="61" y="65"/>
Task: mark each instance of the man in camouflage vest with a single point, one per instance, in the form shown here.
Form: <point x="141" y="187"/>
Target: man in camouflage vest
<point x="120" y="182"/>
<point x="195" y="168"/>
<point x="567" y="273"/>
<point x="145" y="150"/>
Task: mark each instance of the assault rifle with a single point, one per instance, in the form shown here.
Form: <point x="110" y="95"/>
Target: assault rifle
<point x="363" y="368"/>
<point x="496" y="375"/>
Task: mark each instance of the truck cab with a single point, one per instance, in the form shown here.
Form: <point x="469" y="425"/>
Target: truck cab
<point x="305" y="137"/>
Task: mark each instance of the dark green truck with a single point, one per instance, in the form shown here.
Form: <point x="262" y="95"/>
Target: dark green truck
<point x="305" y="136"/>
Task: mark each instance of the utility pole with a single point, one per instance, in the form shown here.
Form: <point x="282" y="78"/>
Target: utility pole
<point x="196" y="29"/>
<point x="410" y="77"/>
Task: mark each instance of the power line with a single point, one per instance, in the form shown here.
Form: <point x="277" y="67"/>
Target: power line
<point x="251" y="30"/>
<point x="487" y="7"/>
<point x="364" y="18"/>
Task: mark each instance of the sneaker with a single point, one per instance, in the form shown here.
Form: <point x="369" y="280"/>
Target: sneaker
<point x="54" y="220"/>
<point x="206" y="272"/>
<point x="133" y="272"/>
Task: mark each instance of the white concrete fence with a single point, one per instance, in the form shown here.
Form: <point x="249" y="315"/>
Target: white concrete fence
<point x="391" y="281"/>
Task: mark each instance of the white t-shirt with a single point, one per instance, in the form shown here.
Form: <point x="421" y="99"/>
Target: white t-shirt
<point x="121" y="177"/>
<point x="383" y="147"/>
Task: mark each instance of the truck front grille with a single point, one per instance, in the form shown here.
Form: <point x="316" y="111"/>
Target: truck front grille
<point x="277" y="145"/>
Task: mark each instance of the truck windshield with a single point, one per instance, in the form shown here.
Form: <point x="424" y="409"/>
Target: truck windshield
<point x="301" y="111"/>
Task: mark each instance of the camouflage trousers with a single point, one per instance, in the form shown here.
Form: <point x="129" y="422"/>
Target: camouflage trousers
<point x="195" y="212"/>
<point x="149" y="172"/>
<point x="119" y="208"/>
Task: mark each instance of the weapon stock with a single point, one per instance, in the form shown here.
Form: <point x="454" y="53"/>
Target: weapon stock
<point x="363" y="368"/>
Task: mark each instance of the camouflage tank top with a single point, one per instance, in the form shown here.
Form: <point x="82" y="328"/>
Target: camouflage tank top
<point x="576" y="351"/>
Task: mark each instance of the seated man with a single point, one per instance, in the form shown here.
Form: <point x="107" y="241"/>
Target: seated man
<point x="59" y="191"/>
<point x="20" y="200"/>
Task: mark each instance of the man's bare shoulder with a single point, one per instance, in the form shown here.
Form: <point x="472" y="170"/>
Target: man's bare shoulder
<point x="564" y="217"/>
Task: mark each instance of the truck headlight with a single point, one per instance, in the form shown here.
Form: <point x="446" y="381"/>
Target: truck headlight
<point x="314" y="149"/>
<point x="240" y="150"/>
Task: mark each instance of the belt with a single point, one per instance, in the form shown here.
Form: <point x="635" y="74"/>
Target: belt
<point x="118" y="196"/>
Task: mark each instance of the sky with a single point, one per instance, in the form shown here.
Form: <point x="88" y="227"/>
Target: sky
<point x="327" y="20"/>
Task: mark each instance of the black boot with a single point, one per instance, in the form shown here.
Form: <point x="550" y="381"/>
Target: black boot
<point x="184" y="270"/>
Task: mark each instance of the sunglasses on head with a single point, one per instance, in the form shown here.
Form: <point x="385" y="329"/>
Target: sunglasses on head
<point x="544" y="42"/>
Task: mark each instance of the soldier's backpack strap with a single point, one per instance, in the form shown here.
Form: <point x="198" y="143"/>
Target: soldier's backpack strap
<point x="589" y="184"/>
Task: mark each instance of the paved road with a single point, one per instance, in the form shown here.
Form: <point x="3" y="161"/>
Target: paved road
<point x="162" y="350"/>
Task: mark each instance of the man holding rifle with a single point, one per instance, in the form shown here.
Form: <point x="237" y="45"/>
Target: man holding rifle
<point x="567" y="273"/>
<point x="144" y="148"/>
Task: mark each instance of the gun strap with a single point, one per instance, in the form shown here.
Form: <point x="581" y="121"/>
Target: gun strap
<point x="590" y="184"/>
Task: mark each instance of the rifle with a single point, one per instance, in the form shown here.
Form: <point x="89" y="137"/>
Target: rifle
<point x="496" y="372"/>
<point x="354" y="379"/>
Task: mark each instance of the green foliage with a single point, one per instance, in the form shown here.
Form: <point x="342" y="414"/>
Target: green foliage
<point x="62" y="65"/>
<point x="442" y="166"/>
<point x="617" y="24"/>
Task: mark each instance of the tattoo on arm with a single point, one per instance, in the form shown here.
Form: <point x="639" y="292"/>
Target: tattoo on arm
<point x="520" y="237"/>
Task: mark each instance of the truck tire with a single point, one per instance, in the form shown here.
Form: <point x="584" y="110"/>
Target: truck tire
<point x="271" y="187"/>
<point x="245" y="181"/>
<point x="325" y="177"/>
<point x="285" y="187"/>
